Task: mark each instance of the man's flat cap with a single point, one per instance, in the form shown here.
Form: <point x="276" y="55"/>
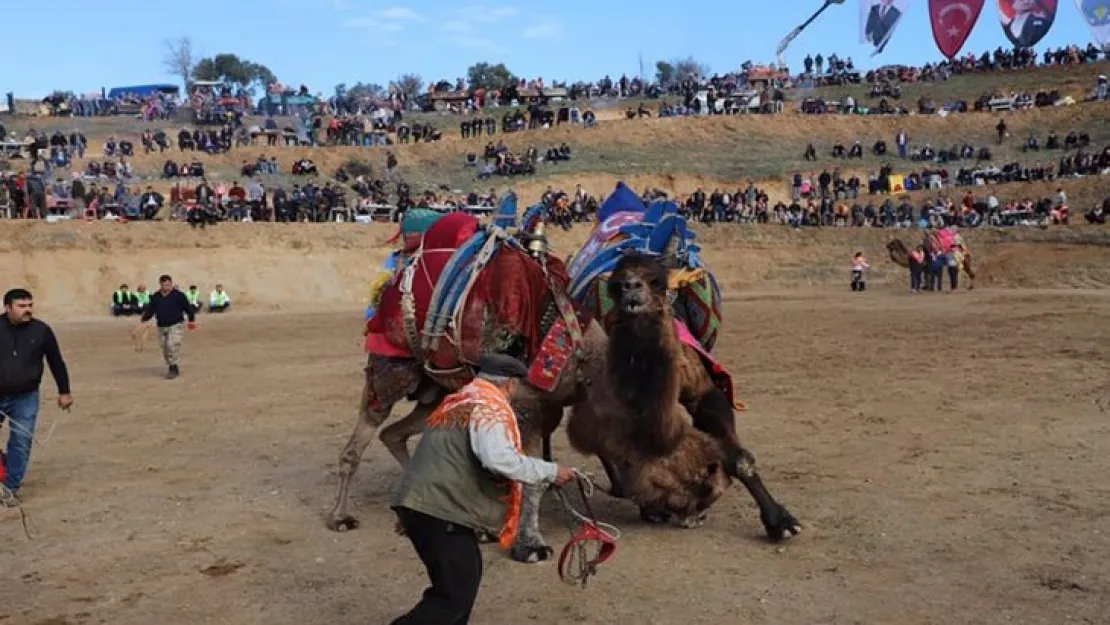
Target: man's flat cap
<point x="502" y="366"/>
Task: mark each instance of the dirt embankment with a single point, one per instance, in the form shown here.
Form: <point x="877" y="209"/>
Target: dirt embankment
<point x="73" y="267"/>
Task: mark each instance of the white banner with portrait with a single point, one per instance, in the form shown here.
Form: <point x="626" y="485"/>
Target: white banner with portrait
<point x="878" y="19"/>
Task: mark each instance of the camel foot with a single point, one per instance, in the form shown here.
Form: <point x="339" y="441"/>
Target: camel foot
<point x="781" y="525"/>
<point x="694" y="521"/>
<point x="530" y="551"/>
<point x="343" y="523"/>
<point x="655" y="516"/>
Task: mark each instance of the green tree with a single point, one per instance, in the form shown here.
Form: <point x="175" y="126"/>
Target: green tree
<point x="683" y="68"/>
<point x="486" y="76"/>
<point x="664" y="72"/>
<point x="229" y="68"/>
<point x="367" y="90"/>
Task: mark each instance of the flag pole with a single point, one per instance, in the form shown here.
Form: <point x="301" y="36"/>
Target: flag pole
<point x="797" y="31"/>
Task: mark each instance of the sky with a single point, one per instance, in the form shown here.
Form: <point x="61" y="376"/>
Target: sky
<point x="322" y="43"/>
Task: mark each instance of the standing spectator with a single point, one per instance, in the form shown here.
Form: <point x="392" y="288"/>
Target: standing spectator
<point x="917" y="268"/>
<point x="169" y="307"/>
<point x="24" y="342"/>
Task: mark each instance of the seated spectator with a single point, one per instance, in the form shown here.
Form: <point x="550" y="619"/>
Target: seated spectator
<point x="219" y="300"/>
<point x="125" y="303"/>
<point x="193" y="295"/>
<point x="150" y="202"/>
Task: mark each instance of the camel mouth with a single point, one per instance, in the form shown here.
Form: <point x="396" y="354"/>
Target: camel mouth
<point x="634" y="308"/>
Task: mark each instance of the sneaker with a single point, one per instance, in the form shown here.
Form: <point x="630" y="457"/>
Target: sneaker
<point x="173" y="372"/>
<point x="8" y="498"/>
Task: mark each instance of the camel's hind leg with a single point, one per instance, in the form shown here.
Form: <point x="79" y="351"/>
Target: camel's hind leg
<point x="388" y="380"/>
<point x="970" y="273"/>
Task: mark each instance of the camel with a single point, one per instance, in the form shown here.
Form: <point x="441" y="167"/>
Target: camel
<point x="663" y="430"/>
<point x="900" y="255"/>
<point x="392" y="377"/>
<point x="513" y="317"/>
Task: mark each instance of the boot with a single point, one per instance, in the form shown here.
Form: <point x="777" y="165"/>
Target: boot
<point x="173" y="372"/>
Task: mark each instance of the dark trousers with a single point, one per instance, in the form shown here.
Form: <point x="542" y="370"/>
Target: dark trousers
<point x="915" y="277"/>
<point x="454" y="564"/>
<point x="954" y="276"/>
<point x="858" y="283"/>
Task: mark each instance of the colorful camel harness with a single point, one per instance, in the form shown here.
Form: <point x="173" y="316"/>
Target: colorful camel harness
<point x="575" y="564"/>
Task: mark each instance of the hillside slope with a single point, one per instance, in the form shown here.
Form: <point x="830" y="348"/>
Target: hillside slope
<point x="73" y="267"/>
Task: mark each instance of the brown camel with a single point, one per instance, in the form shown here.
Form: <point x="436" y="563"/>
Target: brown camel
<point x="391" y="378"/>
<point x="672" y="464"/>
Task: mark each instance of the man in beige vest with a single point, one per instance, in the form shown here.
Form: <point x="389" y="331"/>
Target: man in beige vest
<point x="465" y="477"/>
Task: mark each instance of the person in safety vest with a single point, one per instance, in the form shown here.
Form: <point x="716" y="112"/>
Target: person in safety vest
<point x="124" y="302"/>
<point x="193" y="295"/>
<point x="465" y="477"/>
<point x="218" y="299"/>
<point x="142" y="297"/>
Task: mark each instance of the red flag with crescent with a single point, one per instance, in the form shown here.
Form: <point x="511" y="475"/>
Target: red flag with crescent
<point x="952" y="22"/>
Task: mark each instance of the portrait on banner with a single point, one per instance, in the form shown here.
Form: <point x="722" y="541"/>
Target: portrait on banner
<point x="1026" y="22"/>
<point x="878" y="19"/>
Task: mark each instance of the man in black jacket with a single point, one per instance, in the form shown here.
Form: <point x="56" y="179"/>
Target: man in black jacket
<point x="169" y="307"/>
<point x="24" y="342"/>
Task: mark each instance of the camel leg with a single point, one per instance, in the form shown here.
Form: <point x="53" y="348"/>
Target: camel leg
<point x="713" y="415"/>
<point x="777" y="520"/>
<point x="388" y="380"/>
<point x="532" y="416"/>
<point x="395" y="437"/>
<point x="617" y="489"/>
<point x="970" y="273"/>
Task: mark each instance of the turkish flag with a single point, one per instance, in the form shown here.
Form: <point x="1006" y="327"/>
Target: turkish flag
<point x="952" y="22"/>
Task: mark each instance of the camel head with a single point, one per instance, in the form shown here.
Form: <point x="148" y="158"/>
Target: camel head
<point x="638" y="285"/>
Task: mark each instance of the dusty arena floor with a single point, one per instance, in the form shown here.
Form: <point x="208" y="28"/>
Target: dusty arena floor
<point x="948" y="455"/>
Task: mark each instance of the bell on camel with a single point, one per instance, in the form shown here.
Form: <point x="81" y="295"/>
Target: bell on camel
<point x="537" y="241"/>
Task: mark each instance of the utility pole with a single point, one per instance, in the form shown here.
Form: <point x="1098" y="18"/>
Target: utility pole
<point x="641" y="67"/>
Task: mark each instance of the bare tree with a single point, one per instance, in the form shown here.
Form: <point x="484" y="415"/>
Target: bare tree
<point x="178" y="60"/>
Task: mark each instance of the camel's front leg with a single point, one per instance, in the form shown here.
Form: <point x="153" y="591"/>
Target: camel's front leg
<point x="712" y="414"/>
<point x="777" y="520"/>
<point x="530" y="545"/>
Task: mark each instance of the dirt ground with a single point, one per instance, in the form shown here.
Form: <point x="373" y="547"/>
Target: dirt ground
<point x="946" y="453"/>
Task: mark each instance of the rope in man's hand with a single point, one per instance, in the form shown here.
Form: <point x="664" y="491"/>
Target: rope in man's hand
<point x="575" y="563"/>
<point x="8" y="499"/>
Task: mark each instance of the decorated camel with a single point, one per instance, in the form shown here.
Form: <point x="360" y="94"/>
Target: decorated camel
<point x="678" y="300"/>
<point x="508" y="295"/>
<point x="463" y="290"/>
<point x="936" y="242"/>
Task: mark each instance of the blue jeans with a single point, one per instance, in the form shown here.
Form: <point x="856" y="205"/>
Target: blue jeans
<point x="23" y="410"/>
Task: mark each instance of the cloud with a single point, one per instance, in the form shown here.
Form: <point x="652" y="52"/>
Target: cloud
<point x="399" y="14"/>
<point x="544" y="27"/>
<point x="456" y="26"/>
<point x="392" y="19"/>
<point x="486" y="14"/>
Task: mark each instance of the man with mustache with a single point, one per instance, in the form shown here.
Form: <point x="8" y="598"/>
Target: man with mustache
<point x="24" y="342"/>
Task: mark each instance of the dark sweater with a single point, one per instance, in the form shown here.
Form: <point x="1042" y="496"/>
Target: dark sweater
<point x="22" y="349"/>
<point x="170" y="309"/>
